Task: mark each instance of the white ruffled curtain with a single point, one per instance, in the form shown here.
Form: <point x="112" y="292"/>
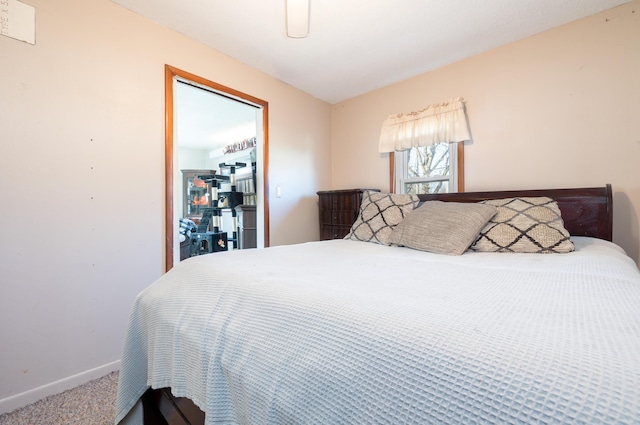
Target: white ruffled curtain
<point x="443" y="122"/>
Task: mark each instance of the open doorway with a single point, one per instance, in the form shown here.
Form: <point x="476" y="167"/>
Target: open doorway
<point x="208" y="124"/>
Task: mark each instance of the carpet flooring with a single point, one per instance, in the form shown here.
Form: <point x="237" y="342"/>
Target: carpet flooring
<point x="93" y="403"/>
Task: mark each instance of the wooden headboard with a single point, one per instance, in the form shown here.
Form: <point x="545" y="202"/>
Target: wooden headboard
<point x="585" y="211"/>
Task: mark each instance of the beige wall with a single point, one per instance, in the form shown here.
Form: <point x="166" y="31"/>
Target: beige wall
<point x="82" y="177"/>
<point x="560" y="109"/>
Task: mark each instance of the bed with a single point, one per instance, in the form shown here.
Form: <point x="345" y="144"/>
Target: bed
<point x="349" y="332"/>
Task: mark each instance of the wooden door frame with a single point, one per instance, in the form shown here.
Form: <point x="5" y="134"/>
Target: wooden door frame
<point x="169" y="74"/>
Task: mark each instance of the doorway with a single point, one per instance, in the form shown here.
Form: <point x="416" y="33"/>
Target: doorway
<point x="203" y="120"/>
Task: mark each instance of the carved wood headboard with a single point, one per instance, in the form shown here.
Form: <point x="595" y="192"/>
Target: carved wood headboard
<point x="585" y="211"/>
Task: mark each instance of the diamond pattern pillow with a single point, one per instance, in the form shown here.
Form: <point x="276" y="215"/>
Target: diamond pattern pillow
<point x="379" y="214"/>
<point x="525" y="225"/>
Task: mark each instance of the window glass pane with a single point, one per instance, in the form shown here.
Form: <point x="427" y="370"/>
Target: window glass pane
<point x="427" y="187"/>
<point x="428" y="161"/>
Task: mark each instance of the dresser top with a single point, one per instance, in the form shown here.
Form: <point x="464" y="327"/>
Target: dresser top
<point x="322" y="192"/>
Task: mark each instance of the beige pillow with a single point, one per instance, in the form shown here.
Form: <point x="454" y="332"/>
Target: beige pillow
<point x="379" y="214"/>
<point x="525" y="225"/>
<point x="442" y="227"/>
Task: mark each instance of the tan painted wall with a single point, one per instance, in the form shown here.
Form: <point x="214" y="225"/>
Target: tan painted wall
<point x="560" y="109"/>
<point x="82" y="177"/>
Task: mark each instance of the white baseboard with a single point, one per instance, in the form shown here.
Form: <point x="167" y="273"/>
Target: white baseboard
<point x="20" y="400"/>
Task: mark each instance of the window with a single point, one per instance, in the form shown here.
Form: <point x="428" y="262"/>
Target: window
<point x="430" y="148"/>
<point x="434" y="168"/>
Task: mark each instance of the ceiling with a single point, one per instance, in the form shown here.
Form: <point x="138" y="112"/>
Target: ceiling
<point x="355" y="46"/>
<point x="205" y="120"/>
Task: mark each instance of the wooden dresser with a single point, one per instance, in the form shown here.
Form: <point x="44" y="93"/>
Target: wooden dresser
<point x="247" y="226"/>
<point x="338" y="210"/>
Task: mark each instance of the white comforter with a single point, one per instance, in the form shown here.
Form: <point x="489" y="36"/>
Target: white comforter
<point x="344" y="332"/>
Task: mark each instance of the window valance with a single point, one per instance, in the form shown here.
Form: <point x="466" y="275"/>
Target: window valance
<point x="443" y="122"/>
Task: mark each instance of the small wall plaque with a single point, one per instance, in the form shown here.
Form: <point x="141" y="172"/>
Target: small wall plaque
<point x="18" y="20"/>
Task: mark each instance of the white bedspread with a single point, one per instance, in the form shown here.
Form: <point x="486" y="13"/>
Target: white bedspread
<point x="344" y="332"/>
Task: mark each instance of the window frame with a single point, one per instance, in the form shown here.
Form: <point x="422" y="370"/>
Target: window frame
<point x="458" y="170"/>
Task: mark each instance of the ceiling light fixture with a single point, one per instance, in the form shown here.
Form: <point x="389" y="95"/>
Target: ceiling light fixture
<point x="297" y="18"/>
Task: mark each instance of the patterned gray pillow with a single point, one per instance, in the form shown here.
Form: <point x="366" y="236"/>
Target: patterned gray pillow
<point x="442" y="227"/>
<point x="525" y="225"/>
<point x="379" y="214"/>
